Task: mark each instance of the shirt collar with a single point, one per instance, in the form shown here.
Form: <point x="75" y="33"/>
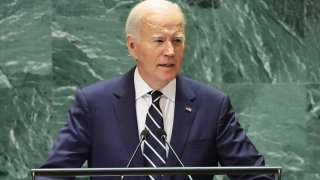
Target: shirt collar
<point x="142" y="88"/>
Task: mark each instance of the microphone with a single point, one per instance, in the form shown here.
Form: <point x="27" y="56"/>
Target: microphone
<point x="143" y="136"/>
<point x="163" y="135"/>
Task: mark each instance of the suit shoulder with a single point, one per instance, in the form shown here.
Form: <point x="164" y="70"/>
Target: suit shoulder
<point x="203" y="89"/>
<point x="103" y="85"/>
<point x="99" y="89"/>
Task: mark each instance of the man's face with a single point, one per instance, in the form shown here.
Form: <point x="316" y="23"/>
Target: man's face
<point x="159" y="48"/>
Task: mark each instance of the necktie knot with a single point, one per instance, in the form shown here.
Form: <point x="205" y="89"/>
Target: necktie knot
<point x="155" y="96"/>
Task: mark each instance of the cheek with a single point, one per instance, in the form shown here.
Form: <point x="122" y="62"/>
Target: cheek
<point x="148" y="61"/>
<point x="179" y="50"/>
<point x="179" y="56"/>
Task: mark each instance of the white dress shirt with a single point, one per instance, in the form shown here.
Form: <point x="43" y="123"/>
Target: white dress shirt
<point x="143" y="102"/>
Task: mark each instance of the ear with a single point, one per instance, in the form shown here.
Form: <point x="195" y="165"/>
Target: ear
<point x="132" y="46"/>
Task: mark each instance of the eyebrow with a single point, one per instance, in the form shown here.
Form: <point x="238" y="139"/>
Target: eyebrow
<point x="157" y="36"/>
<point x="179" y="35"/>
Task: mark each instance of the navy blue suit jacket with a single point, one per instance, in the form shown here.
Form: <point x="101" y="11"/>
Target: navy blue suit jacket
<point x="102" y="129"/>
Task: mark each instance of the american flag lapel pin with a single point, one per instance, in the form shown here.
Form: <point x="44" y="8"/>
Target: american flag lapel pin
<point x="188" y="109"/>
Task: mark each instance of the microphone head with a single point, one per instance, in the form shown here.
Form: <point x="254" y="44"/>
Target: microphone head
<point x="161" y="133"/>
<point x="144" y="134"/>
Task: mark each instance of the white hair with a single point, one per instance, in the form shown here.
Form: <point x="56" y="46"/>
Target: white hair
<point x="140" y="10"/>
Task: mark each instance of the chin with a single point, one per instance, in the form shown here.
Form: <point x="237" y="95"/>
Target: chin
<point x="169" y="78"/>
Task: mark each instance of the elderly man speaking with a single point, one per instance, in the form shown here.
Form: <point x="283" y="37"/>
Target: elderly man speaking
<point x="107" y="118"/>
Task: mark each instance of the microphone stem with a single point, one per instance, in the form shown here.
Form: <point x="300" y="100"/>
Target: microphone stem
<point x="134" y="153"/>
<point x="175" y="154"/>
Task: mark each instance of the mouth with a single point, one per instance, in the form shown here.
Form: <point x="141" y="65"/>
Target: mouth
<point x="166" y="65"/>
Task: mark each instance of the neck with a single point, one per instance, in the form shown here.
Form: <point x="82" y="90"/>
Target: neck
<point x="155" y="85"/>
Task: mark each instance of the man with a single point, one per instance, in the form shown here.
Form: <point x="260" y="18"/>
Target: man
<point x="107" y="117"/>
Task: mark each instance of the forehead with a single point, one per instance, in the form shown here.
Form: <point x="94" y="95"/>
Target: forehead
<point x="163" y="22"/>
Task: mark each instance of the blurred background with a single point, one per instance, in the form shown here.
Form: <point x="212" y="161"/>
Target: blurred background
<point x="264" y="53"/>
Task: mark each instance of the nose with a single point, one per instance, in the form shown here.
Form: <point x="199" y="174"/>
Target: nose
<point x="169" y="51"/>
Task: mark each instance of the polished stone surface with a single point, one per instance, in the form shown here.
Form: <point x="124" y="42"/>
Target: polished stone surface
<point x="264" y="54"/>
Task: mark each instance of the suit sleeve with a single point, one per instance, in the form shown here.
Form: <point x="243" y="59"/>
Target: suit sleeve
<point x="71" y="147"/>
<point x="234" y="147"/>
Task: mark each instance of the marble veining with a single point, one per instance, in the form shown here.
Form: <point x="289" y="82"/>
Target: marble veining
<point x="264" y="54"/>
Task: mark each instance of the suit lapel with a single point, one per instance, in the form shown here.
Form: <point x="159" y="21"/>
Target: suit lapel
<point x="183" y="120"/>
<point x="125" y="109"/>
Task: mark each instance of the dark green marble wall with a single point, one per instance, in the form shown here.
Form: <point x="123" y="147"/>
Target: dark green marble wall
<point x="264" y="53"/>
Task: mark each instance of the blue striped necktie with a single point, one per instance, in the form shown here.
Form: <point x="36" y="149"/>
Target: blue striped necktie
<point x="154" y="148"/>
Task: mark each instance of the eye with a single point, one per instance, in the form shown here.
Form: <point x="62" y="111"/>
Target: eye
<point x="177" y="40"/>
<point x="158" y="40"/>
